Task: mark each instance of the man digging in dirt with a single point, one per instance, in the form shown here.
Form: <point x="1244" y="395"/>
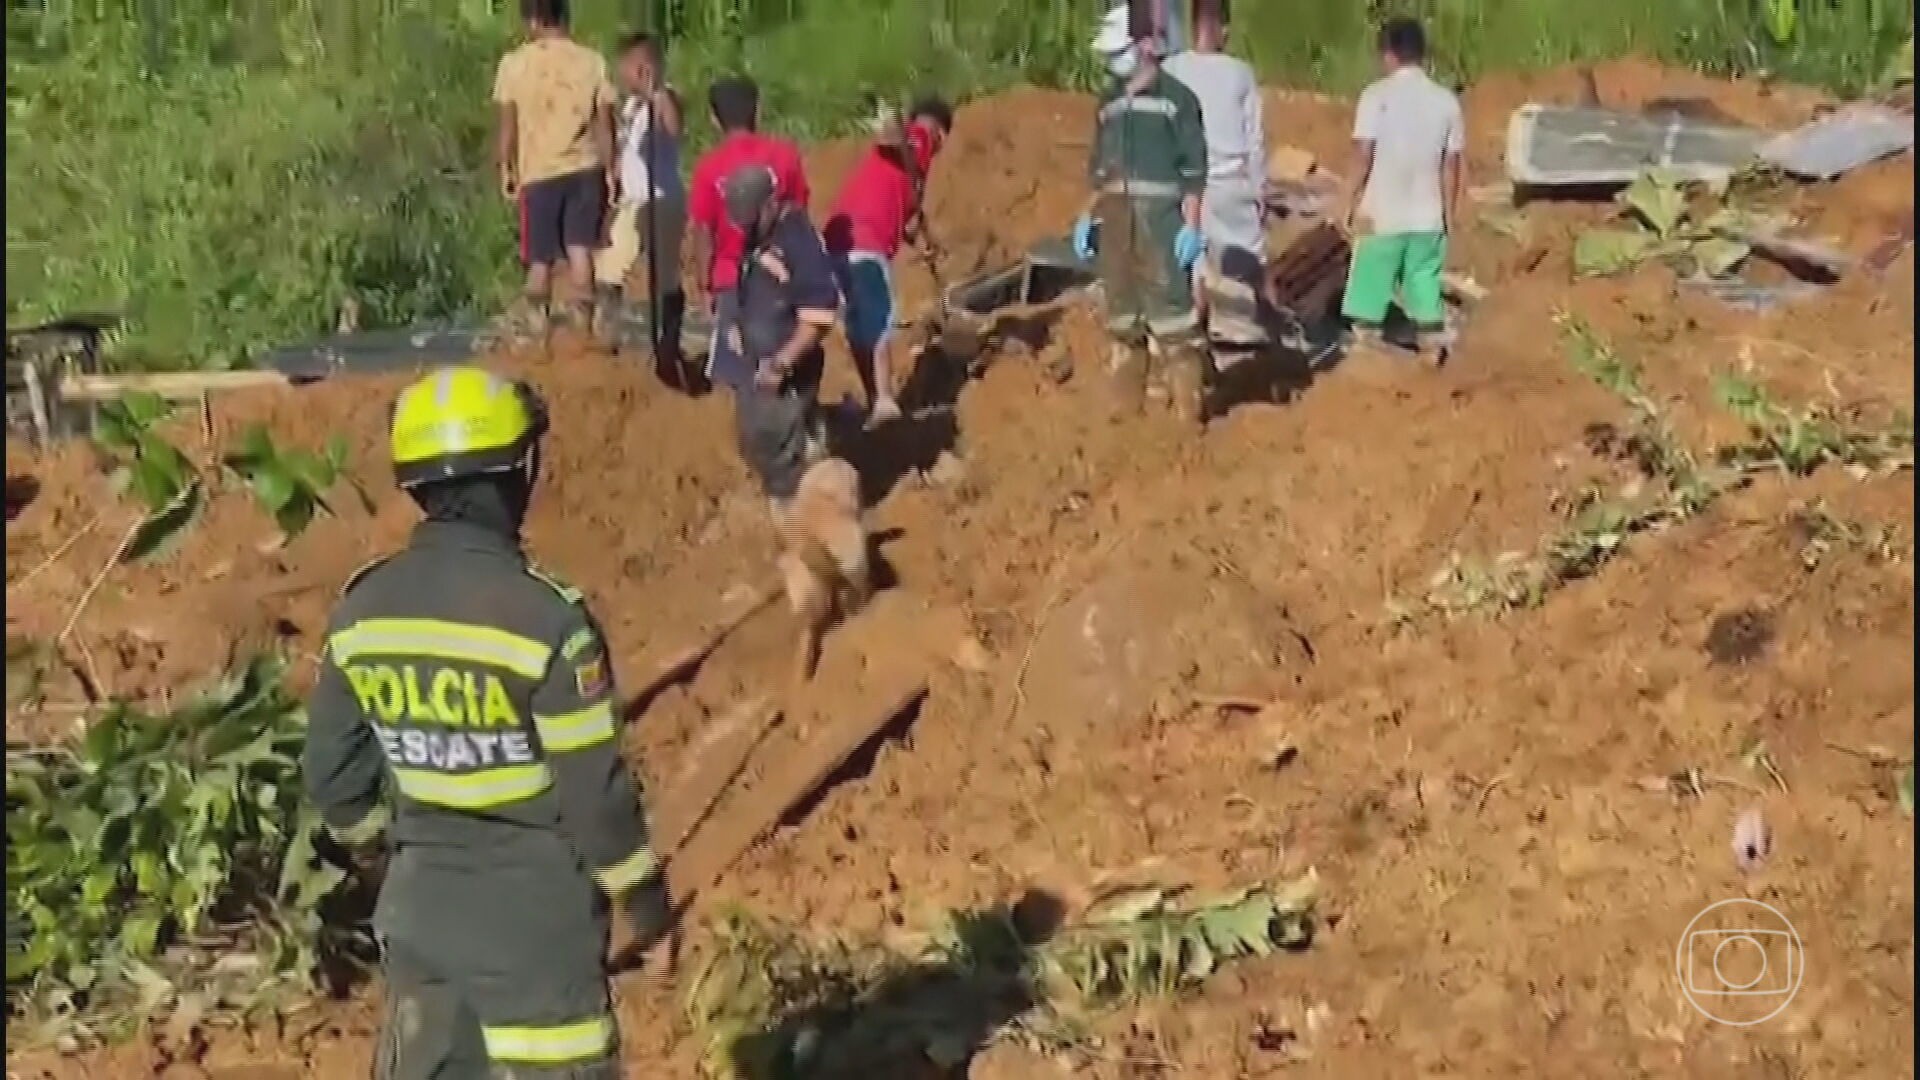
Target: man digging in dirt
<point x="1408" y="135"/>
<point x="554" y="149"/>
<point x="788" y="300"/>
<point x="717" y="243"/>
<point x="651" y="217"/>
<point x="1234" y="213"/>
<point x="1148" y="169"/>
<point x="879" y="210"/>
<point x="473" y="694"/>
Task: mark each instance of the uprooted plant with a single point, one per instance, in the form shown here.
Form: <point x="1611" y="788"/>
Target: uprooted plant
<point x="154" y="471"/>
<point x="1694" y="226"/>
<point x="768" y="1002"/>
<point x="1673" y="483"/>
<point x="1800" y="440"/>
<point x="289" y="483"/>
<point x="164" y="863"/>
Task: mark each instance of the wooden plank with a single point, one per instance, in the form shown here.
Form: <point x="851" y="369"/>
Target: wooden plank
<point x="789" y="779"/>
<point x="185" y="384"/>
<point x="721" y="755"/>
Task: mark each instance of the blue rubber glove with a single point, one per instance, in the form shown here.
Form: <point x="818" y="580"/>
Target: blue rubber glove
<point x="1187" y="247"/>
<point x="1083" y="236"/>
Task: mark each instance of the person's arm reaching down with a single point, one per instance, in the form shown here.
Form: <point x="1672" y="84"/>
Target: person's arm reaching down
<point x="794" y="180"/>
<point x="666" y="112"/>
<point x="1453" y="172"/>
<point x="703" y="216"/>
<point x="815" y="297"/>
<point x="1190" y="156"/>
<point x="341" y="763"/>
<point x="604" y="128"/>
<point x="1366" y="129"/>
<point x="1254" y="123"/>
<point x="599" y="802"/>
<point x="506" y="130"/>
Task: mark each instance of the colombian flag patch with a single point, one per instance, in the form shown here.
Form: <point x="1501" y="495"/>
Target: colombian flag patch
<point x="590" y="678"/>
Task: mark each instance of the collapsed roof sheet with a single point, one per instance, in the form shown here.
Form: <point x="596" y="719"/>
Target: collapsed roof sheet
<point x="1550" y="145"/>
<point x="1847" y="139"/>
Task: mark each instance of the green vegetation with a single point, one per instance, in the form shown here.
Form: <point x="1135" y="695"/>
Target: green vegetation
<point x="1671" y="484"/>
<point x="163" y="862"/>
<point x="768" y="1001"/>
<point x="229" y="175"/>
<point x="289" y="483"/>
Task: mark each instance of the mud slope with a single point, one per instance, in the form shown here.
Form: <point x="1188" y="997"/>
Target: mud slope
<point x="1505" y="894"/>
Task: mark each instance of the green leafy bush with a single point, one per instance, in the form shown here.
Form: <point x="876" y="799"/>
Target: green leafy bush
<point x="289" y="483"/>
<point x="1662" y="225"/>
<point x="163" y="859"/>
<point x="150" y="468"/>
<point x="767" y="1001"/>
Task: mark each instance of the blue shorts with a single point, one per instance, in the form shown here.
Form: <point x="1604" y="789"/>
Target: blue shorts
<point x="866" y="284"/>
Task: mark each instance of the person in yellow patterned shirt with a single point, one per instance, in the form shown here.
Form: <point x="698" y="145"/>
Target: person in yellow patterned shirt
<point x="556" y="158"/>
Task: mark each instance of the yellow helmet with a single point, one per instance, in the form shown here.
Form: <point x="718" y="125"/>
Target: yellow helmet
<point x="463" y="421"/>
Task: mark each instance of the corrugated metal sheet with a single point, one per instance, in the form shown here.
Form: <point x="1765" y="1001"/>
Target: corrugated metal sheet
<point x="1558" y="146"/>
<point x="1854" y="136"/>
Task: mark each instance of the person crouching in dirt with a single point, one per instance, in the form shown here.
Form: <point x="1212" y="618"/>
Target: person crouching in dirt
<point x="1408" y="137"/>
<point x="554" y="148"/>
<point x="1148" y="169"/>
<point x="473" y="695"/>
<point x="879" y="210"/>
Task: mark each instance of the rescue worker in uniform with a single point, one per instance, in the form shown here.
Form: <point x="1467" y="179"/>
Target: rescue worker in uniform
<point x="1148" y="169"/>
<point x="463" y="727"/>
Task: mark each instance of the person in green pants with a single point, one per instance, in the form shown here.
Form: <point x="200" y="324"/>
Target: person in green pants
<point x="1408" y="135"/>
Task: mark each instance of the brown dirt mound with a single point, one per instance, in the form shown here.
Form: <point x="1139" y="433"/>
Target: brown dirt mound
<point x="1505" y="897"/>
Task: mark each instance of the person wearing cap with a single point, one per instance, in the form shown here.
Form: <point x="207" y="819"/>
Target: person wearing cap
<point x="1234" y="218"/>
<point x="717" y="245"/>
<point x="1148" y="171"/>
<point x="787" y="300"/>
<point x="463" y="746"/>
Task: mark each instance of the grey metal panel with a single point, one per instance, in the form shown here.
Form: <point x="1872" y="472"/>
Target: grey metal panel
<point x="1551" y="146"/>
<point x="1847" y="139"/>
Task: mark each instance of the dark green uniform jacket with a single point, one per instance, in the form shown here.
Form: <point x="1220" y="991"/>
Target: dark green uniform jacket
<point x="1149" y="151"/>
<point x="474" y="697"/>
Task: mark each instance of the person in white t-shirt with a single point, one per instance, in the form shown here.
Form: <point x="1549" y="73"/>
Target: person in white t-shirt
<point x="1409" y="135"/>
<point x="644" y="237"/>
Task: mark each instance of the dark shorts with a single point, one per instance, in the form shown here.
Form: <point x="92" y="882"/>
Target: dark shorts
<point x="772" y="426"/>
<point x="559" y="213"/>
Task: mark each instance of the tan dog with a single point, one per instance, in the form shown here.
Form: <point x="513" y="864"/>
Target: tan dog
<point x="825" y="561"/>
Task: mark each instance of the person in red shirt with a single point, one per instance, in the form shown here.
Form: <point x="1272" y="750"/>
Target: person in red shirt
<point x="717" y="243"/>
<point x="879" y="210"/>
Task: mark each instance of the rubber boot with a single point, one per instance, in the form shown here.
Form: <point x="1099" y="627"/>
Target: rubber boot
<point x="609" y="311"/>
<point x="1187" y="384"/>
<point x="1127" y="373"/>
